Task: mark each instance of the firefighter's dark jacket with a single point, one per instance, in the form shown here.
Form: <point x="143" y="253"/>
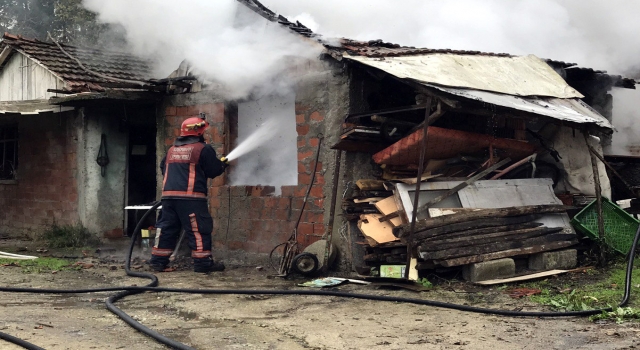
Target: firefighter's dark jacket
<point x="186" y="167"/>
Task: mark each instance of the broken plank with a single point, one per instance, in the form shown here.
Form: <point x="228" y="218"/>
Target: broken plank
<point x="472" y="227"/>
<point x="497" y="237"/>
<point x="371" y="227"/>
<point x="494" y="247"/>
<point x="507" y="253"/>
<point x="426" y="224"/>
<point x="389" y="209"/>
<point x="523" y="278"/>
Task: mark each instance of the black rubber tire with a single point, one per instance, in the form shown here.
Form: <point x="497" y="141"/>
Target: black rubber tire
<point x="305" y="264"/>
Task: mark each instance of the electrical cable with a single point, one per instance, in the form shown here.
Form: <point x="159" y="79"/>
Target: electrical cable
<point x="152" y="287"/>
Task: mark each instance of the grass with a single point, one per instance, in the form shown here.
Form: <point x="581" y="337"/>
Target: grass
<point x="606" y="290"/>
<point x="68" y="236"/>
<point x="40" y="265"/>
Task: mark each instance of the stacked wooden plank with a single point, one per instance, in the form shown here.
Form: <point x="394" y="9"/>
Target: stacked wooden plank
<point x="484" y="234"/>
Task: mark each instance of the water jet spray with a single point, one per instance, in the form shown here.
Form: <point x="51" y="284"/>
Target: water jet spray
<point x="264" y="133"/>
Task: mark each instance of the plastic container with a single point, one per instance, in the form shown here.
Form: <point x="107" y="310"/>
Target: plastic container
<point x="619" y="227"/>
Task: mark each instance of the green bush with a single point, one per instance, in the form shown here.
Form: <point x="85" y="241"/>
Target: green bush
<point x="69" y="236"/>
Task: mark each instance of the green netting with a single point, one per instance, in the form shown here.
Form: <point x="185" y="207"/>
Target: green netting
<point x="619" y="226"/>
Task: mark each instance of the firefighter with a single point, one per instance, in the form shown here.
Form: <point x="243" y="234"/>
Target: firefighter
<point x="186" y="167"/>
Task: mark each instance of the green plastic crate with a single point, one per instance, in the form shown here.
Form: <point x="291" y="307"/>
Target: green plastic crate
<point x="619" y="227"/>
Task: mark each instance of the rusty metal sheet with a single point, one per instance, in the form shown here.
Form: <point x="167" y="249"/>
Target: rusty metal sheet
<point x="568" y="109"/>
<point x="517" y="75"/>
<point x="447" y="143"/>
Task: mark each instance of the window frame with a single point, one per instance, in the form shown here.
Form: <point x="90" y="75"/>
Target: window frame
<point x="4" y="157"/>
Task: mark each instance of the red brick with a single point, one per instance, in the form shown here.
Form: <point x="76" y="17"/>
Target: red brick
<point x="315" y="116"/>
<point x="316" y="192"/>
<point x="314" y="142"/>
<point x="186" y="111"/>
<point x="305" y="229"/>
<point x="317" y="167"/>
<point x="256" y="203"/>
<point x="214" y="202"/>
<point x="170" y="111"/>
<point x="282" y="214"/>
<point x="301" y="109"/>
<point x="302" y="129"/>
<point x="301" y="142"/>
<point x="300" y="119"/>
<point x="288" y="191"/>
<point x="309" y="240"/>
<point x="305" y="155"/>
<point x="300" y="192"/>
<point x="319" y="179"/>
<point x="304" y="179"/>
<point x="303" y="168"/>
<point x="284" y="203"/>
<point x="271" y="202"/>
<point x="218" y="181"/>
<point x="318" y="229"/>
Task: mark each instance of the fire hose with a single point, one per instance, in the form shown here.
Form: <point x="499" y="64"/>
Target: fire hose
<point x="153" y="287"/>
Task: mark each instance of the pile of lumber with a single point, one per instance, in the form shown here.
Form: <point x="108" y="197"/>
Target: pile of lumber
<point x="386" y="253"/>
<point x="484" y="234"/>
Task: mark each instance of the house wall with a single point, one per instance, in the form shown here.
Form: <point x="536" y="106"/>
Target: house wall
<point x="249" y="221"/>
<point x="23" y="79"/>
<point x="46" y="188"/>
<point x="101" y="198"/>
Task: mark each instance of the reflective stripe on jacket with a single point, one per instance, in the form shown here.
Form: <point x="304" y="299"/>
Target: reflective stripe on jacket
<point x="186" y="168"/>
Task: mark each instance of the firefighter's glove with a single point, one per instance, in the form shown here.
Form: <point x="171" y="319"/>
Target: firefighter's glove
<point x="225" y="162"/>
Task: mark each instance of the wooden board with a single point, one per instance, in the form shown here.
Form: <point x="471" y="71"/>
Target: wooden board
<point x="371" y="227"/>
<point x="370" y="184"/>
<point x="388" y="206"/>
<point x="506" y="253"/>
<point x="523" y="278"/>
<point x="494" y="247"/>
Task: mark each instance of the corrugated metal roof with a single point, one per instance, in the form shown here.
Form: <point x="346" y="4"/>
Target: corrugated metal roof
<point x="569" y="109"/>
<point x="514" y="75"/>
<point x="114" y="64"/>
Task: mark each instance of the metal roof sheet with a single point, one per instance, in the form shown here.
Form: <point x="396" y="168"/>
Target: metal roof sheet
<point x="517" y="75"/>
<point x="568" y="109"/>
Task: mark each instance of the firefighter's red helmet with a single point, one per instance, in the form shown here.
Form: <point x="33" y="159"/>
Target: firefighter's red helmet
<point x="193" y="127"/>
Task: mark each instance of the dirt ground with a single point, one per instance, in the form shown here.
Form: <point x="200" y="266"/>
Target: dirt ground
<point x="279" y="322"/>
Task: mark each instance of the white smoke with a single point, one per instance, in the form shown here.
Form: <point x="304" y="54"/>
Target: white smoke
<point x="593" y="33"/>
<point x="221" y="39"/>
<point x="626" y="138"/>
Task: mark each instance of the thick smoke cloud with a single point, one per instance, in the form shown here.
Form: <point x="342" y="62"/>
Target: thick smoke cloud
<point x="221" y="39"/>
<point x="593" y="33"/>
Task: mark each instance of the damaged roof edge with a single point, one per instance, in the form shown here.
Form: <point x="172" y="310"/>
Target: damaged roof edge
<point x="571" y="110"/>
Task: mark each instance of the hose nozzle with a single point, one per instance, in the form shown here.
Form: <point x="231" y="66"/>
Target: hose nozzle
<point x="224" y="159"/>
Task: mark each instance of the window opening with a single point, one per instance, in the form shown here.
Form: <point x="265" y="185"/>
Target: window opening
<point x="8" y="152"/>
<point x="274" y="162"/>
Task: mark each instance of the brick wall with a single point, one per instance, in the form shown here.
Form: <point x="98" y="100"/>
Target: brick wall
<point x="46" y="191"/>
<point x="252" y="218"/>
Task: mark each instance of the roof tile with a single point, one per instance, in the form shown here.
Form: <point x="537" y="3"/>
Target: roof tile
<point x="110" y="63"/>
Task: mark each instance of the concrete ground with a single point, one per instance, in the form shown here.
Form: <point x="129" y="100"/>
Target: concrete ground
<point x="279" y="322"/>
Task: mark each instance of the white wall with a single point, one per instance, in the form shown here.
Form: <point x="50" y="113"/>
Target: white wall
<point x="275" y="162"/>
<point x="22" y="79"/>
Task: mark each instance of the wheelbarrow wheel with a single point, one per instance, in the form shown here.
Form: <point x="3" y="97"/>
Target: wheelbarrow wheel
<point x="305" y="263"/>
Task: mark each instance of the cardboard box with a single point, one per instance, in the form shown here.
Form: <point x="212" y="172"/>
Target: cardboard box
<point x="392" y="271"/>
